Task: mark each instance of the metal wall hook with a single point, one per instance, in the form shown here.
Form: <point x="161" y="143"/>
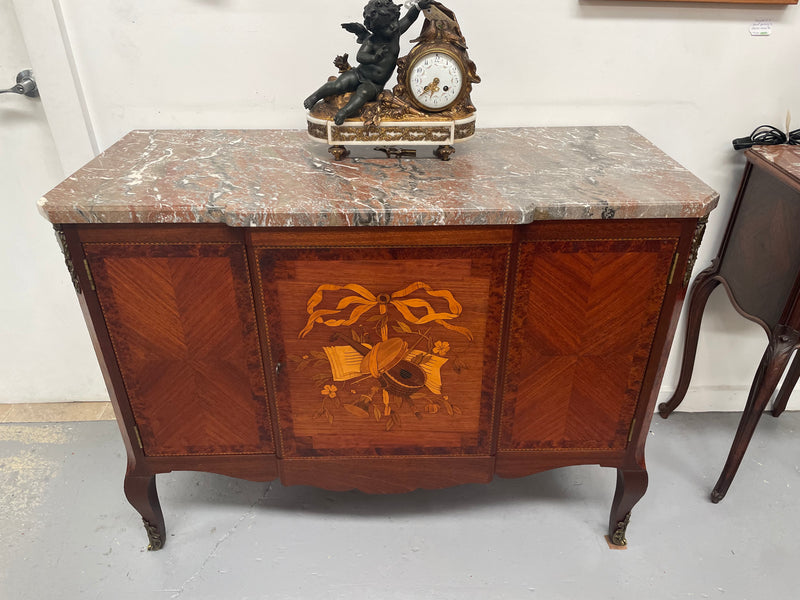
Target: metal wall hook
<point x="26" y="85"/>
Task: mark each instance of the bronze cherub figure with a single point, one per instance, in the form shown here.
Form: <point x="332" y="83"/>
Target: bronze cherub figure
<point x="379" y="37"/>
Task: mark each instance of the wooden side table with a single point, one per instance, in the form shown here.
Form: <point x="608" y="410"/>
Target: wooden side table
<point x="759" y="267"/>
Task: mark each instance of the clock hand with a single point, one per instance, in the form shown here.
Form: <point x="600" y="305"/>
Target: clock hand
<point x="432" y="87"/>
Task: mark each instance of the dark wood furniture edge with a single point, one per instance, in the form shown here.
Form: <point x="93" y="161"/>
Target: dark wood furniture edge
<point x="140" y="483"/>
<point x="387" y="475"/>
<point x="783" y="339"/>
<point x="782" y="344"/>
<point x="632" y="477"/>
<point x="140" y="478"/>
<point x="789" y="383"/>
<point x="266" y="352"/>
<point x="505" y="326"/>
<point x="252" y="467"/>
<point x="513" y="464"/>
<point x="704" y="283"/>
<point x="754" y="158"/>
<point x="701" y="289"/>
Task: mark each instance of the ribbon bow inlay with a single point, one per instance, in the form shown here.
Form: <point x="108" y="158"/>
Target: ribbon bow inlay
<point x="364" y="301"/>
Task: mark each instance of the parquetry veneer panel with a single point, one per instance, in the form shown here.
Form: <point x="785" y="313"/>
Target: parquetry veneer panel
<point x="582" y="326"/>
<point x="183" y="326"/>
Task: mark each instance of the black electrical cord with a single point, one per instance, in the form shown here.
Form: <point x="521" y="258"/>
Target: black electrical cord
<point x="794" y="138"/>
<point x="766" y="135"/>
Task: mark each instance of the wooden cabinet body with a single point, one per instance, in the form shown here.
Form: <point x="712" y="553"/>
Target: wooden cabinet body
<point x="227" y="350"/>
<point x="264" y="312"/>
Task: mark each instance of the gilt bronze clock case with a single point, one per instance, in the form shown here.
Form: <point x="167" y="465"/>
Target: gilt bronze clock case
<point x="405" y="115"/>
<point x="437" y="72"/>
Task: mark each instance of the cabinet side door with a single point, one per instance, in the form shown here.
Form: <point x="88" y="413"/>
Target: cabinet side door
<point x="183" y="327"/>
<point x="583" y="323"/>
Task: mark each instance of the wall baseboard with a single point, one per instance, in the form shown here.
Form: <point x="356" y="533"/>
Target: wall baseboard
<point x="56" y="412"/>
<point x="717" y="399"/>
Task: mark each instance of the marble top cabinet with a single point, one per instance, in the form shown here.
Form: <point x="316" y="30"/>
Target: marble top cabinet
<point x="262" y="311"/>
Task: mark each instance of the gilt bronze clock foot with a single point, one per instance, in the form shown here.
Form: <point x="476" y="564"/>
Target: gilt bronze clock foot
<point x="444" y="152"/>
<point x="339" y="152"/>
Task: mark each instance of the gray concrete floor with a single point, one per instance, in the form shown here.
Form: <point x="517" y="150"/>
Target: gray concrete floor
<point x="68" y="532"/>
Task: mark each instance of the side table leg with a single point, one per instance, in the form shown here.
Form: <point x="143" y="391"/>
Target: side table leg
<point x="141" y="493"/>
<point x="702" y="287"/>
<point x="782" y="343"/>
<point x="788" y="386"/>
<point x="631" y="486"/>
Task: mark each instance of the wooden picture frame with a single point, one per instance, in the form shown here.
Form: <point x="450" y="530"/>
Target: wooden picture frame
<point x="777" y="2"/>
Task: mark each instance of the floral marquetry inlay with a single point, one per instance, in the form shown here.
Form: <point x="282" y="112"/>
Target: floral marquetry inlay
<point x="399" y="374"/>
<point x="386" y="356"/>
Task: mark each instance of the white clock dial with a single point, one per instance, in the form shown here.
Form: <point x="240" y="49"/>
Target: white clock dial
<point x="436" y="80"/>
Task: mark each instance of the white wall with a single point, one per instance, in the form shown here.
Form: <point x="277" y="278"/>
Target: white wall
<point x="688" y="76"/>
<point x="45" y="353"/>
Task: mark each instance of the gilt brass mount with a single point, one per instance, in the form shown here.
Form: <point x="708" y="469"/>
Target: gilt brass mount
<point x="153" y="535"/>
<point x="618" y="539"/>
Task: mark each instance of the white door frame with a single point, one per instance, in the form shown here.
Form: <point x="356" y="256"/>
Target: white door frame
<point x="46" y="355"/>
<point x="53" y="64"/>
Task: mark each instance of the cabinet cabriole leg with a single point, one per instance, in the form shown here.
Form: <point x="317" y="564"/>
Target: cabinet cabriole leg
<point x="143" y="496"/>
<point x="631" y="486"/>
<point x="704" y="284"/>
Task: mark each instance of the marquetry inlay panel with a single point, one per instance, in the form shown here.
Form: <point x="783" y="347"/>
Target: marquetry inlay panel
<point x="384" y="350"/>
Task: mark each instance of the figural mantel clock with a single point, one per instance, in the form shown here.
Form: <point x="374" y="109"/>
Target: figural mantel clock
<point x="430" y="105"/>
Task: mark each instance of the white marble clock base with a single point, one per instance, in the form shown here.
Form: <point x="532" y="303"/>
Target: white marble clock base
<point x="442" y="133"/>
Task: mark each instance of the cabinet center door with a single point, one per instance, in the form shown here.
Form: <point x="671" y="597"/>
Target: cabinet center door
<point x="384" y="351"/>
